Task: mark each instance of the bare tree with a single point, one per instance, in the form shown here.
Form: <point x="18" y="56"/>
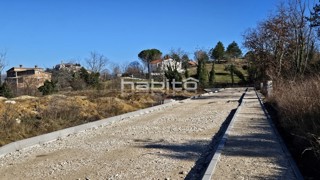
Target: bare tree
<point x="96" y="62"/>
<point x="283" y="44"/>
<point x="3" y="64"/>
<point x="134" y="69"/>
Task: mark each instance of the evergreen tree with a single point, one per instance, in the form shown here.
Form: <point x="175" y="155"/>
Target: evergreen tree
<point x="91" y="79"/>
<point x="231" y="69"/>
<point x="149" y="55"/>
<point x="212" y="75"/>
<point x="314" y="18"/>
<point x="6" y="91"/>
<point x="233" y="50"/>
<point x="172" y="73"/>
<point x="49" y="87"/>
<point x="186" y="73"/>
<point x="202" y="72"/>
<point x="217" y="53"/>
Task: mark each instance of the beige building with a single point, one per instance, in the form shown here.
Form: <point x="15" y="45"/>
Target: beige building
<point x="26" y="80"/>
<point x="71" y="67"/>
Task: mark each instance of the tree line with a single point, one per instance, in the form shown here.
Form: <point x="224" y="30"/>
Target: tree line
<point x="284" y="46"/>
<point x="96" y="69"/>
<point x="202" y="57"/>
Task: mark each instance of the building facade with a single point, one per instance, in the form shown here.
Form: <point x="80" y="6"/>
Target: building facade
<point x="71" y="67"/>
<point x="160" y="66"/>
<point x="24" y="80"/>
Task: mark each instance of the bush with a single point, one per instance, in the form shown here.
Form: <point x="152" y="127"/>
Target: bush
<point x="49" y="87"/>
<point x="245" y="67"/>
<point x="298" y="105"/>
<point x="6" y="91"/>
<point x="240" y="75"/>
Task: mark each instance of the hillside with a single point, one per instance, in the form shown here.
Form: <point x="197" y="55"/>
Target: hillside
<point x="223" y="76"/>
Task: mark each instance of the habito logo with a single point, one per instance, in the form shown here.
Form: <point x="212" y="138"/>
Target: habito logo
<point x="189" y="84"/>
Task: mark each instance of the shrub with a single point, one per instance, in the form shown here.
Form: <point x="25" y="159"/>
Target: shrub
<point x="49" y="87"/>
<point x="240" y="75"/>
<point x="298" y="105"/>
<point x="6" y="91"/>
<point x="245" y="67"/>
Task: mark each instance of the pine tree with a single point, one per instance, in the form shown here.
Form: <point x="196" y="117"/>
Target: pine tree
<point x="217" y="53"/>
<point x="233" y="50"/>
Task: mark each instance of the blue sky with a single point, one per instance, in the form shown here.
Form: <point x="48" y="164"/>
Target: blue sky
<point x="45" y="32"/>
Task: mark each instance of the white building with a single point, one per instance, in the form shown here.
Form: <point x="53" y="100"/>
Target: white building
<point x="158" y="67"/>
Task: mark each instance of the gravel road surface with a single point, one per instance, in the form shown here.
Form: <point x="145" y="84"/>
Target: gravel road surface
<point x="164" y="144"/>
<point x="253" y="150"/>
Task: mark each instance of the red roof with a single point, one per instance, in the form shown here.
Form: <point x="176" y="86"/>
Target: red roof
<point x="156" y="61"/>
<point x="192" y="63"/>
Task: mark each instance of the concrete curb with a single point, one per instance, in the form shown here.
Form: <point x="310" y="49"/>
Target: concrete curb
<point x="214" y="161"/>
<point x="293" y="165"/>
<point x="38" y="140"/>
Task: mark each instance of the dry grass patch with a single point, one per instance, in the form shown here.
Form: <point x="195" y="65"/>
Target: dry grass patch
<point x="31" y="116"/>
<point x="298" y="104"/>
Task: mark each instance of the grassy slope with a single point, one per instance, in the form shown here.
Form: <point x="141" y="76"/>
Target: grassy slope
<point x="221" y="75"/>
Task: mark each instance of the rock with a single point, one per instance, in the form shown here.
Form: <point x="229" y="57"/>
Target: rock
<point x="18" y="121"/>
<point x="10" y="102"/>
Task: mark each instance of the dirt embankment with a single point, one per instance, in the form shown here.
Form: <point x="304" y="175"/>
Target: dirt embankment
<point x="28" y="116"/>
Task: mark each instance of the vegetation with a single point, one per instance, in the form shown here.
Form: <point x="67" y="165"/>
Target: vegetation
<point x="212" y="75"/>
<point x="3" y="64"/>
<point x="233" y="50"/>
<point x="172" y="73"/>
<point x="49" y="87"/>
<point x="202" y="72"/>
<point x="231" y="68"/>
<point x="217" y="53"/>
<point x="5" y="91"/>
<point x="222" y="76"/>
<point x="149" y="55"/>
<point x="31" y="116"/>
<point x="283" y="49"/>
<point x="96" y="62"/>
<point x="134" y="69"/>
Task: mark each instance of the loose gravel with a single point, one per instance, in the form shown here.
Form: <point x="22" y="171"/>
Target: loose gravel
<point x="164" y="144"/>
<point x="253" y="150"/>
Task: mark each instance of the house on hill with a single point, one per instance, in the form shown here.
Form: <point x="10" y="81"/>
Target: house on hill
<point x="158" y="67"/>
<point x="23" y="80"/>
<point x="71" y="67"/>
<point x="192" y="64"/>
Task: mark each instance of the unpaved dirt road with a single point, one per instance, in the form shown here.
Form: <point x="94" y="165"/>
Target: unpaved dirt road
<point x="164" y="144"/>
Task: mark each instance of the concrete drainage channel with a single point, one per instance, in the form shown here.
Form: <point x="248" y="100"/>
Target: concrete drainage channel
<point x="219" y="148"/>
<point x="293" y="165"/>
<point x="214" y="161"/>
